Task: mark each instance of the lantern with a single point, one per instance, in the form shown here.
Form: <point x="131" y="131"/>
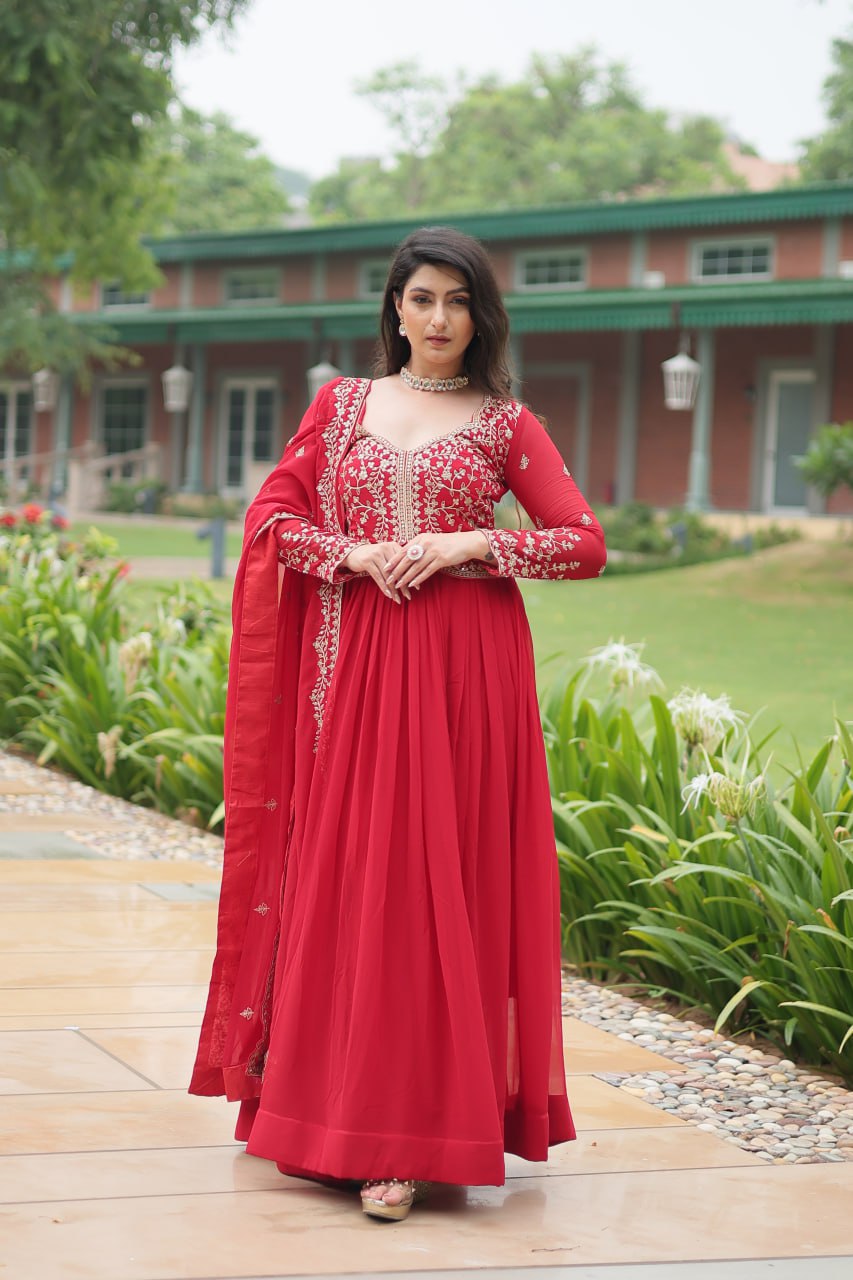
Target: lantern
<point x="45" y="390"/>
<point x="680" y="380"/>
<point x="319" y="374"/>
<point x="177" y="386"/>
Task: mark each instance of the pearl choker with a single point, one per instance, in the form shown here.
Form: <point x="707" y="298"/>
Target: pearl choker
<point x="433" y="384"/>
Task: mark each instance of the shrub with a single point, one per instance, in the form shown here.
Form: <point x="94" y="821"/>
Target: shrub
<point x="828" y="462"/>
<point x="685" y="869"/>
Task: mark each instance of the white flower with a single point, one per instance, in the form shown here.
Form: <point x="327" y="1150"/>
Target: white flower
<point x="702" y="721"/>
<point x="133" y="655"/>
<point x="173" y="631"/>
<point x="696" y="788"/>
<point x="621" y="662"/>
<point x="734" y="797"/>
<point x="108" y="747"/>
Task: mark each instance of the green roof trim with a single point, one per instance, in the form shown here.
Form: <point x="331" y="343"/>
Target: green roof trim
<point x="701" y="306"/>
<point x="823" y="200"/>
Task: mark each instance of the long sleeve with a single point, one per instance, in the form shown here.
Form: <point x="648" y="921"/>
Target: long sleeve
<point x="304" y="547"/>
<point x="568" y="541"/>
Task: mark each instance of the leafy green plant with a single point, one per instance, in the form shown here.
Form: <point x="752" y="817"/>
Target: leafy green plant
<point x="828" y="461"/>
<point x="686" y="869"/>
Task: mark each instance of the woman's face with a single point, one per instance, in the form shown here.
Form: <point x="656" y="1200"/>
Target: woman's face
<point x="435" y="307"/>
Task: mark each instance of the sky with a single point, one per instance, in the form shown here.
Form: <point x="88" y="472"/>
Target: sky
<point x="287" y="72"/>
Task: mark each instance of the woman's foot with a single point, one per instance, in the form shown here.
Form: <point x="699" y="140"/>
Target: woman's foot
<point x="391" y="1197"/>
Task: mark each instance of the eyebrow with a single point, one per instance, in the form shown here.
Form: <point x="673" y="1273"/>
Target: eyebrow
<point x="416" y="288"/>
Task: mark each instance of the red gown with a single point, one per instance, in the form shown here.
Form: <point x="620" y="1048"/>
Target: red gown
<point x="405" y="1017"/>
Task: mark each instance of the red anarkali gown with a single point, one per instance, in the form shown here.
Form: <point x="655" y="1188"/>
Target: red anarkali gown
<point x="413" y="995"/>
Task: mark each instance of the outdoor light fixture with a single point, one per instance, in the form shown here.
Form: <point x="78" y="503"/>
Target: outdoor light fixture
<point x="319" y="374"/>
<point x="680" y="379"/>
<point x="45" y="390"/>
<point x="177" y="385"/>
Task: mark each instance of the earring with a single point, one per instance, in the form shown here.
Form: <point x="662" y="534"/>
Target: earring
<point x="402" y="330"/>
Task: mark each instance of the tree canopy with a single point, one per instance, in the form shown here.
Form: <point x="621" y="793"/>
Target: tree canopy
<point x="572" y="128"/>
<point x="829" y="156"/>
<point x="219" y="180"/>
<point x="81" y="86"/>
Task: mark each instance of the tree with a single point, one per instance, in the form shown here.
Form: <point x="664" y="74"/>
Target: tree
<point x="81" y="85"/>
<point x="571" y="128"/>
<point x="829" y="156"/>
<point x="219" y="180"/>
<point x="828" y="461"/>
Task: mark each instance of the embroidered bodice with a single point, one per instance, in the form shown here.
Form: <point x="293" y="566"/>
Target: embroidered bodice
<point x="451" y="483"/>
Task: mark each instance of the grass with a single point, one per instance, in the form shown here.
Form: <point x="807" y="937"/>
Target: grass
<point x="151" y="539"/>
<point x="774" y="631"/>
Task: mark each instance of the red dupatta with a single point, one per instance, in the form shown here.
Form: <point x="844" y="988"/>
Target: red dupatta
<point x="283" y="651"/>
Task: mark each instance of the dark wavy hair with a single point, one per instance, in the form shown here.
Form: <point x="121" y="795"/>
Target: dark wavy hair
<point x="486" y="359"/>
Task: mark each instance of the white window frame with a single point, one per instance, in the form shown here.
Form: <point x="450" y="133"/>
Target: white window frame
<point x="698" y="248"/>
<point x="99" y="405"/>
<point x="559" y="253"/>
<point x="364" y="269"/>
<point x="124" y="306"/>
<point x="272" y="272"/>
<point x="251" y="383"/>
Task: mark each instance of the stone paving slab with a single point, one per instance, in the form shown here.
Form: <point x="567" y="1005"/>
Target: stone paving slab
<point x="110" y="1170"/>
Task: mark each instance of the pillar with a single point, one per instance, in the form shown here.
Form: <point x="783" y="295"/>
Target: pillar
<point x="703" y="416"/>
<point x="626" y="441"/>
<point x="195" y="434"/>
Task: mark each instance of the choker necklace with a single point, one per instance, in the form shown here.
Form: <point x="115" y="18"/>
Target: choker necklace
<point x="433" y="384"/>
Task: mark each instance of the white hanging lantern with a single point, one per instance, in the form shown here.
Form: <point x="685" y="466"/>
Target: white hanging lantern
<point x="680" y="381"/>
<point x="177" y="386"/>
<point x="319" y="374"/>
<point x="45" y="390"/>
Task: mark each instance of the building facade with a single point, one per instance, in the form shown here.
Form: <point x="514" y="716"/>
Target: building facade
<point x="760" y="286"/>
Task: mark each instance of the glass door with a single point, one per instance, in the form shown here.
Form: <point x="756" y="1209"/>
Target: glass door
<point x="16" y="429"/>
<point x="789" y="426"/>
<point x="249" y="420"/>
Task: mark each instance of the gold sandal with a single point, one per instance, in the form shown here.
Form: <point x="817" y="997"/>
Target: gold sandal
<point x="393" y="1212"/>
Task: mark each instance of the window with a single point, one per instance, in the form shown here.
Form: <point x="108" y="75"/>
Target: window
<point x="252" y="285"/>
<point x="733" y="260"/>
<point x="16" y="416"/>
<point x="112" y="295"/>
<point x="551" y="269"/>
<point x="372" y="277"/>
<point x="123" y="413"/>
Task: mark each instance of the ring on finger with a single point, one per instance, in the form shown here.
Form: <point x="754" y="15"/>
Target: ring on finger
<point x="415" y="551"/>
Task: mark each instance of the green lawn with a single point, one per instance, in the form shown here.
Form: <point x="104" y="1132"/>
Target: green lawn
<point x="773" y="631"/>
<point x="149" y="539"/>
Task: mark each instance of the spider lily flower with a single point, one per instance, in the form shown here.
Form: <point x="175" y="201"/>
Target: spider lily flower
<point x="702" y="721"/>
<point x="622" y="663"/>
<point x="735" y="798"/>
<point x="108" y="747"/>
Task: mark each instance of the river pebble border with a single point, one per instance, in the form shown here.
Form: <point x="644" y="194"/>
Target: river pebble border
<point x="748" y="1095"/>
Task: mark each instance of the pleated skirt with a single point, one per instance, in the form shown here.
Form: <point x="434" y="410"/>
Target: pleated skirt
<point x="416" y="1027"/>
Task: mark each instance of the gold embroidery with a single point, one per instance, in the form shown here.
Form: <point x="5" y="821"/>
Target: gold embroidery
<point x="586" y="518"/>
<point x="247" y="1014"/>
<point x="524" y="463"/>
<point x="300" y="451"/>
<point x="261" y="908"/>
<point x="272" y="805"/>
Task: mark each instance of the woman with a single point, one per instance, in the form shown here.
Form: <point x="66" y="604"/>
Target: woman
<point x="386" y="991"/>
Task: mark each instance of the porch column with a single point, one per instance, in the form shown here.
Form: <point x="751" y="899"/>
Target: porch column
<point x="195" y="434"/>
<point x="516" y="356"/>
<point x="824" y="360"/>
<point x="346" y="356"/>
<point x="703" y="415"/>
<point x="178" y="430"/>
<point x="626" y="441"/>
<point x="62" y="435"/>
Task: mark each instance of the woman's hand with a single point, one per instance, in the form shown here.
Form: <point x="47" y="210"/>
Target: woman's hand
<point x="440" y="551"/>
<point x="371" y="558"/>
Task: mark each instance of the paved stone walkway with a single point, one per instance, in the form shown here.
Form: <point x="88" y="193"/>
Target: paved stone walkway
<point x="111" y="1172"/>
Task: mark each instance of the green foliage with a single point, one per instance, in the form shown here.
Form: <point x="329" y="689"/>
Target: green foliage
<point x="130" y="498"/>
<point x="572" y="128"/>
<point x="828" y="462"/>
<point x="669" y="882"/>
<point x="635" y="527"/>
<point x="80" y="85"/>
<point x="829" y="156"/>
<point x="136" y="713"/>
<point x="219" y="181"/>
